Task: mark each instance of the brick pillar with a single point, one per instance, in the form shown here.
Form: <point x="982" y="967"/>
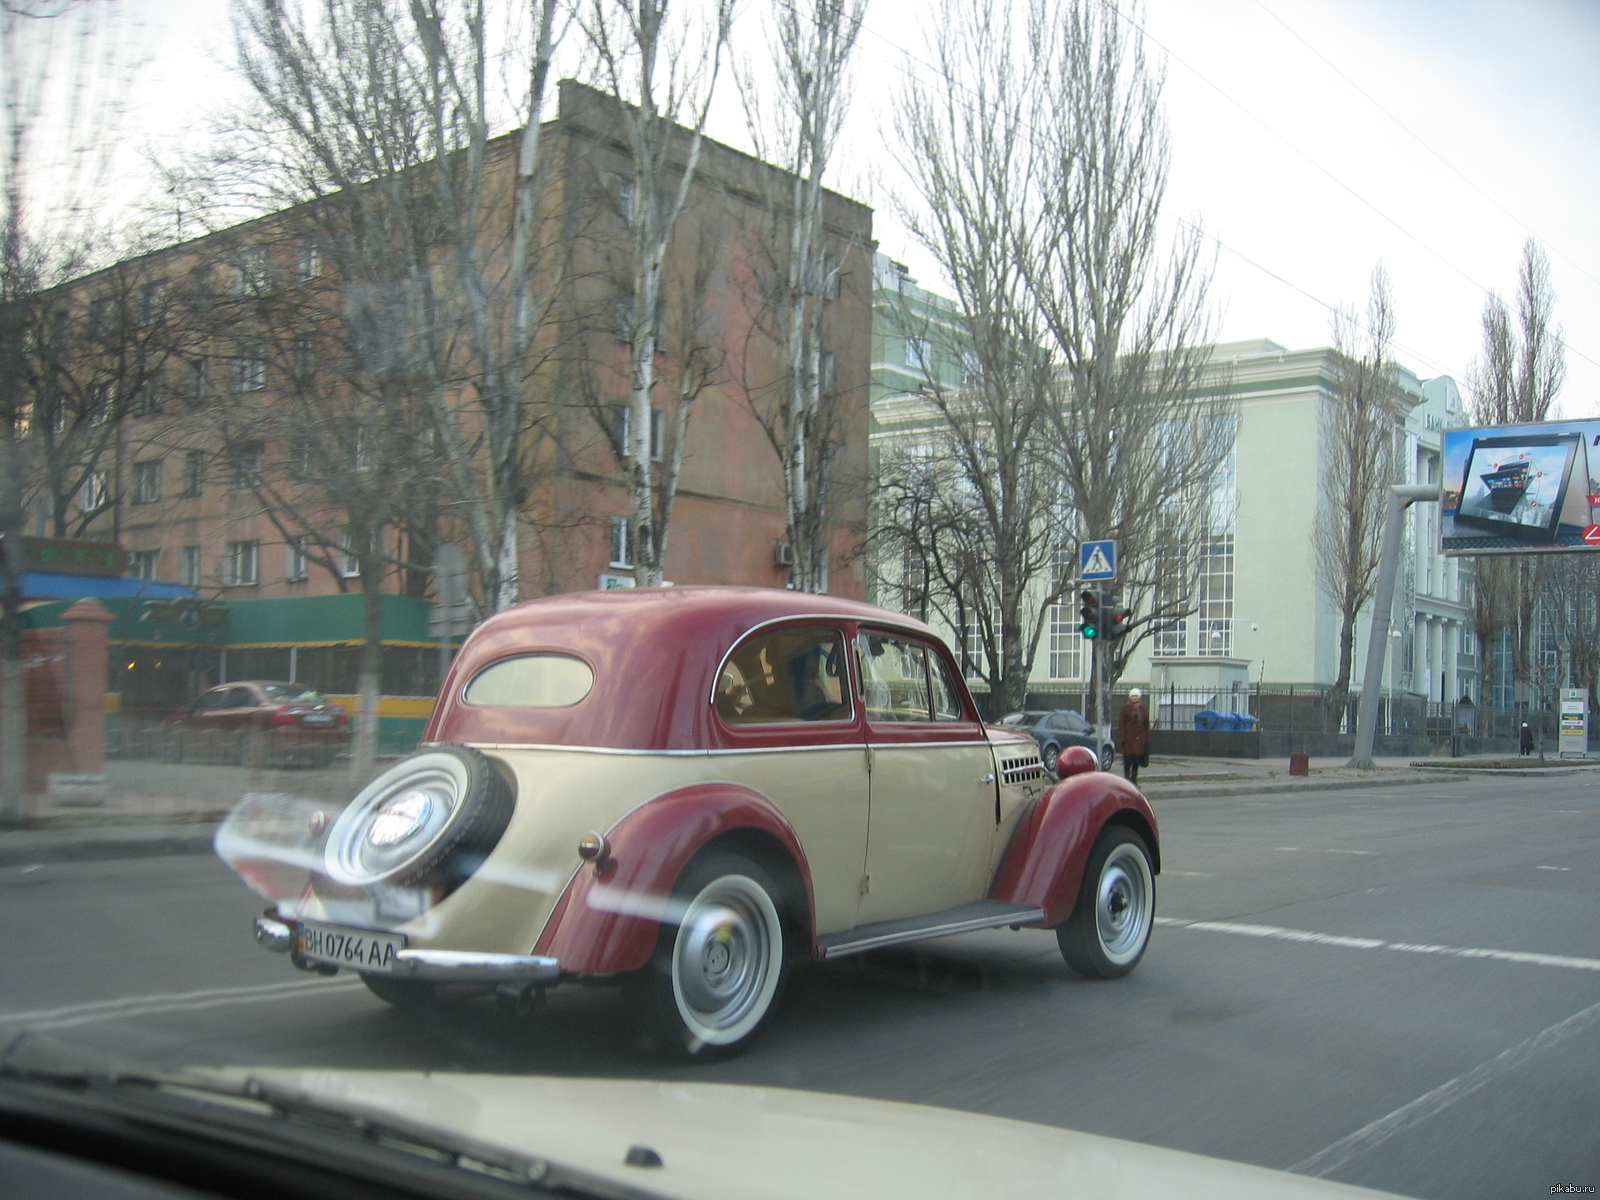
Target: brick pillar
<point x="84" y="699"/>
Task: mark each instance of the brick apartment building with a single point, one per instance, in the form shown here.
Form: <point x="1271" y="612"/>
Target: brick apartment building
<point x="189" y="495"/>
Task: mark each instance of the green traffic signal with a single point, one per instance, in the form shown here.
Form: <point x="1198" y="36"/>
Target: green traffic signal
<point x="1089" y="615"/>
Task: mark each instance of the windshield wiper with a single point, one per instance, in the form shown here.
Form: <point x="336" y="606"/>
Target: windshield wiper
<point x="253" y="1114"/>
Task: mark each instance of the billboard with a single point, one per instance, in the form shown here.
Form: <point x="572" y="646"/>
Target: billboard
<point x="1522" y="489"/>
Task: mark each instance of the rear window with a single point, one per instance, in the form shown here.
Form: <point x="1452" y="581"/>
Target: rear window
<point x="531" y="681"/>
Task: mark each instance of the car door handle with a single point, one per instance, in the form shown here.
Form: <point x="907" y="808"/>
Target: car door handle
<point x="989" y="778"/>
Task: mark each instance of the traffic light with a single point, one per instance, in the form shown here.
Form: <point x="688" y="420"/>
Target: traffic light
<point x="1089" y="615"/>
<point x="1117" y="619"/>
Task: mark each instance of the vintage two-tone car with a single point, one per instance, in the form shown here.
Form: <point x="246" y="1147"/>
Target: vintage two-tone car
<point x="686" y="790"/>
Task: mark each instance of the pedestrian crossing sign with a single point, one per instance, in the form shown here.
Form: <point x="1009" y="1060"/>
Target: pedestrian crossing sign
<point x="1097" y="560"/>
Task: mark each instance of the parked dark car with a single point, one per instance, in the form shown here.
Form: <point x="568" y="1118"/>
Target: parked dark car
<point x="258" y="721"/>
<point x="1058" y="729"/>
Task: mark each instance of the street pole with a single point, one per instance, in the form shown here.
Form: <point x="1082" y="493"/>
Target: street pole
<point x="1401" y="497"/>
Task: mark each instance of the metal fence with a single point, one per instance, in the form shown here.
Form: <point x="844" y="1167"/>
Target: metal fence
<point x="1304" y="718"/>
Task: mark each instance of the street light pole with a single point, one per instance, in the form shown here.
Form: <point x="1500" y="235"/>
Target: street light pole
<point x="1401" y="497"/>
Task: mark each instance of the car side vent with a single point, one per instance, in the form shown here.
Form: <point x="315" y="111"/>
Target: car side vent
<point x="1022" y="770"/>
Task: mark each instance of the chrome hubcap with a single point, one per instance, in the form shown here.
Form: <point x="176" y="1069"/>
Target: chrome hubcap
<point x="1122" y="903"/>
<point x="722" y="955"/>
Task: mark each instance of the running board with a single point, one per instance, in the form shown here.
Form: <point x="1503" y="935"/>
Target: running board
<point x="965" y="918"/>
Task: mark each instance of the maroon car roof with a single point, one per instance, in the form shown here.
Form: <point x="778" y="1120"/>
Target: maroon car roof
<point x="654" y="652"/>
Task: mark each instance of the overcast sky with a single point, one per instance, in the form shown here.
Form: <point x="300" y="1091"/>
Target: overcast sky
<point x="1313" y="138"/>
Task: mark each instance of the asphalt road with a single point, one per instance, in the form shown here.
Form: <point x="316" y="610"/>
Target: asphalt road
<point x="1393" y="987"/>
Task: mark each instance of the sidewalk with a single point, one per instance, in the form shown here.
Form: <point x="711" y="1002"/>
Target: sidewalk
<point x="156" y="809"/>
<point x="1173" y="778"/>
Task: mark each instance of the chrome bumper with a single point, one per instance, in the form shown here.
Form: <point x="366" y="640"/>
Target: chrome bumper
<point x="436" y="966"/>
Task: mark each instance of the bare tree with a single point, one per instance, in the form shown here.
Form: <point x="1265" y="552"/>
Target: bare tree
<point x="665" y="74"/>
<point x="1572" y="603"/>
<point x="1358" y="427"/>
<point x="1517" y="379"/>
<point x="811" y="43"/>
<point x="318" y="419"/>
<point x="370" y="122"/>
<point x="62" y="70"/>
<point x="1040" y="157"/>
<point x="690" y="351"/>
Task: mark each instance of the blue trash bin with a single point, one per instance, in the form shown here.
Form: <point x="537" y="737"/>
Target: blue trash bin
<point x="1208" y="718"/>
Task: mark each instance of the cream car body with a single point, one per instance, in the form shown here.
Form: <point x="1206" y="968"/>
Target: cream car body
<point x="622" y="740"/>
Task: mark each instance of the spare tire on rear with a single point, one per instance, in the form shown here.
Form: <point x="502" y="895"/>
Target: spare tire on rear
<point x="430" y="819"/>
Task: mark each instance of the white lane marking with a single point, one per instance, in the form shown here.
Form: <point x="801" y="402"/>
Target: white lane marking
<point x="141" y="1006"/>
<point x="1542" y="867"/>
<point x="1278" y="933"/>
<point x="1188" y="874"/>
<point x="1324" y="1162"/>
<point x="1326" y="850"/>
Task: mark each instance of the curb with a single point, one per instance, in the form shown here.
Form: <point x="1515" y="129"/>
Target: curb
<point x="103" y="849"/>
<point x="1285" y="787"/>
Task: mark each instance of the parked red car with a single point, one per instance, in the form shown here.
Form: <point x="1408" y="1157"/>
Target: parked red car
<point x="257" y="721"/>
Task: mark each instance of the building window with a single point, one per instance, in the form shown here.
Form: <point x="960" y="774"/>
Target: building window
<point x="241" y="564"/>
<point x="830" y="277"/>
<point x="622" y="422"/>
<point x="974" y="659"/>
<point x="152" y="299"/>
<point x="95" y="492"/>
<point x="194" y="472"/>
<point x="308" y="262"/>
<point x="199" y="381"/>
<point x="917" y="353"/>
<point x="1216" y="598"/>
<point x="971" y="368"/>
<point x="250" y="371"/>
<point x="146" y="482"/>
<point x="97" y="403"/>
<point x="304" y="363"/>
<point x="350" y="548"/>
<point x="621" y="542"/>
<point x="914" y="583"/>
<point x="146" y="401"/>
<point x="1171" y="638"/>
<point x="100" y="317"/>
<point x="298" y="566"/>
<point x="1066" y="644"/>
<point x="250" y="273"/>
<point x="142" y="564"/>
<point x="247" y="464"/>
<point x="191" y="566"/>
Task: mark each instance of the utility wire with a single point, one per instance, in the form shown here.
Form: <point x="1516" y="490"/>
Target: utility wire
<point x="1239" y="254"/>
<point x="1132" y="24"/>
<point x="1416" y="137"/>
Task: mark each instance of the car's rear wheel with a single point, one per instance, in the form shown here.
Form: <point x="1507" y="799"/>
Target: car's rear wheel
<point x="1050" y="754"/>
<point x="1110" y="927"/>
<point x="718" y="969"/>
<point x="1108" y="755"/>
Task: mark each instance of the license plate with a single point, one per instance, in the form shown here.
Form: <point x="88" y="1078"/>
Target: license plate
<point x="316" y="719"/>
<point x="361" y="949"/>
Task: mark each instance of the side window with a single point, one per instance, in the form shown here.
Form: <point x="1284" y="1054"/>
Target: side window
<point x="946" y="700"/>
<point x="213" y="700"/>
<point x="1058" y="721"/>
<point x="785" y="675"/>
<point x="239" y="698"/>
<point x="894" y="679"/>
